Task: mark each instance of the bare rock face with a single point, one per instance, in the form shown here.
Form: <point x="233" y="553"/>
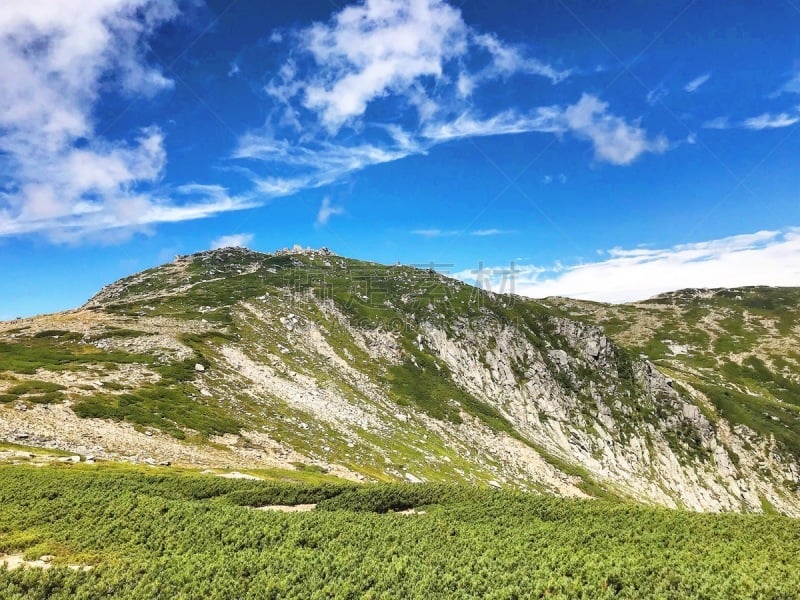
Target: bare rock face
<point x="625" y="422"/>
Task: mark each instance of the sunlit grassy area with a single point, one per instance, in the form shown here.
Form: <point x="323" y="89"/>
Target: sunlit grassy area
<point x="179" y="534"/>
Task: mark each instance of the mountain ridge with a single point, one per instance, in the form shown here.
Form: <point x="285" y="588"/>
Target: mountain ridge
<point x="308" y="360"/>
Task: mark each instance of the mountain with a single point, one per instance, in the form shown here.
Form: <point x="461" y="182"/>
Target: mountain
<point x="309" y="361"/>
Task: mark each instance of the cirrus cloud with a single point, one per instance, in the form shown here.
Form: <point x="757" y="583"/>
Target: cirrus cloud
<point x="696" y="83"/>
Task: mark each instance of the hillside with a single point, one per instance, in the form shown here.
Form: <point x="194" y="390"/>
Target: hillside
<point x="311" y="362"/>
<point x="738" y="348"/>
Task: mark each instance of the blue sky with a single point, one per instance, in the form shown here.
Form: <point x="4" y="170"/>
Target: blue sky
<point x="606" y="151"/>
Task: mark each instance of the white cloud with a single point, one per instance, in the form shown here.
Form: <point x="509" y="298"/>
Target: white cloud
<point x="771" y="121"/>
<point x="758" y="123"/>
<point x="59" y="177"/>
<point x="615" y="140"/>
<point x="320" y="162"/>
<point x="235" y="240"/>
<point x="560" y="178"/>
<point x="376" y="48"/>
<point x="326" y="211"/>
<point x="696" y="83"/>
<point x="792" y="86"/>
<point x="440" y="233"/>
<point x="508" y="60"/>
<point x="381" y="48"/>
<point x="435" y="233"/>
<point x="117" y="219"/>
<point x="544" y="119"/>
<point x="386" y="79"/>
<point x="317" y="163"/>
<point x="488" y="232"/>
<point x="718" y="123"/>
<point x="656" y="95"/>
<point x="761" y="258"/>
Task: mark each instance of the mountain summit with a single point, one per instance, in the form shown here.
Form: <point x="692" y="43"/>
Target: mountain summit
<point x="302" y="359"/>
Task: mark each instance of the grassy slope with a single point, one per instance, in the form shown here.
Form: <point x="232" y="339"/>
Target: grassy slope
<point x="748" y="382"/>
<point x="374" y="296"/>
<point x="181" y="535"/>
<point x="208" y="289"/>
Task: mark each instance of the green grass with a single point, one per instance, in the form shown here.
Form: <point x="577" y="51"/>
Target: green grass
<point x="33" y="449"/>
<point x="763" y="416"/>
<point x="117" y="332"/>
<point x="59" y="334"/>
<point x="171" y="405"/>
<point x="174" y="534"/>
<point x="35" y="387"/>
<point x="167" y="408"/>
<point x="428" y="384"/>
<point x="26" y="355"/>
<point x="586" y="483"/>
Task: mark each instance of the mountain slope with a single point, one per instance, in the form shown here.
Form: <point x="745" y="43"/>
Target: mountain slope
<point x="307" y="360"/>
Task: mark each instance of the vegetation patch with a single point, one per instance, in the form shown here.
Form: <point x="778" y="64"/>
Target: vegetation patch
<point x="59" y="334"/>
<point x="172" y="404"/>
<point x="428" y="384"/>
<point x="26" y="355"/>
<point x="765" y="417"/>
<point x="35" y="387"/>
<point x="173" y="534"/>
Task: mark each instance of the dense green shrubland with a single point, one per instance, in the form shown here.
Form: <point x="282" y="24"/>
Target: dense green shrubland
<point x="172" y="534"/>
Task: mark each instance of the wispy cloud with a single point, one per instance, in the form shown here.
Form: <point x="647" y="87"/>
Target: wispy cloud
<point x="757" y="123"/>
<point x="560" y="178"/>
<point x="792" y="86"/>
<point x="418" y="61"/>
<point x="771" y="121"/>
<point x="317" y="162"/>
<point x="657" y="94"/>
<point x="58" y="176"/>
<point x="718" y="123"/>
<point x="440" y="233"/>
<point x="234" y="240"/>
<point x="489" y="232"/>
<point x="508" y="60"/>
<point x="696" y="83"/>
<point x="326" y="211"/>
<point x="761" y="258"/>
<point x="435" y="233"/>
